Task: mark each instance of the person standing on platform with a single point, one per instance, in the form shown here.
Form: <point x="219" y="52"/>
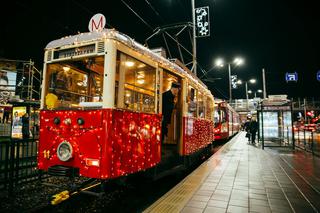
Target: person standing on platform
<point x="167" y="107"/>
<point x="25" y="126"/>
<point x="246" y="128"/>
<point x="253" y="128"/>
<point x="6" y="114"/>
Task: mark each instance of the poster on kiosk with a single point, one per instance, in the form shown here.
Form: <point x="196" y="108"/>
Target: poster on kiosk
<point x="17" y="113"/>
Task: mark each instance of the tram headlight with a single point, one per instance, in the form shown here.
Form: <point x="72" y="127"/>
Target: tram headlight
<point x="64" y="151"/>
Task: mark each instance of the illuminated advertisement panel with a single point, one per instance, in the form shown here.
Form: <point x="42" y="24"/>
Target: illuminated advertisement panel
<point x="7" y="84"/>
<point x="17" y="113"/>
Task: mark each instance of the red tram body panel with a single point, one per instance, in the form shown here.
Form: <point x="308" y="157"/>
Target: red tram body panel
<point x="198" y="133"/>
<point x="109" y="144"/>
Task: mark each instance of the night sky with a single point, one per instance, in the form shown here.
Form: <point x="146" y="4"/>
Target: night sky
<point x="280" y="36"/>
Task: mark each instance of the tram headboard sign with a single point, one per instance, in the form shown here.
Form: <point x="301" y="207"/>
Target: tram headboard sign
<point x="65" y="53"/>
<point x="97" y="22"/>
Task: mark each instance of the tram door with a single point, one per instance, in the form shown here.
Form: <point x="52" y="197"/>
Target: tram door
<point x="175" y="125"/>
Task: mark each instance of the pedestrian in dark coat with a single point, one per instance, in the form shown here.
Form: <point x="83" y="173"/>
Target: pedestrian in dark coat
<point x="25" y="126"/>
<point x="253" y="128"/>
<point x="167" y="107"/>
<point x="246" y="127"/>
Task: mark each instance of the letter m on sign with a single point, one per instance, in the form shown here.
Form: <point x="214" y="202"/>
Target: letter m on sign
<point x="97" y="22"/>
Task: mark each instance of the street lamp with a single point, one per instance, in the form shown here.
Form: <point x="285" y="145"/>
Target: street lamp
<point x="217" y="65"/>
<point x="251" y="81"/>
<point x="237" y="62"/>
<point x="255" y="92"/>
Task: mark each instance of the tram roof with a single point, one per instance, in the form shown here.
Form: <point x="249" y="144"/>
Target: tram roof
<point x="116" y="35"/>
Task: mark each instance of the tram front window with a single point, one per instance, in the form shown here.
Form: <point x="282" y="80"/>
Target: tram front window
<point x="71" y="83"/>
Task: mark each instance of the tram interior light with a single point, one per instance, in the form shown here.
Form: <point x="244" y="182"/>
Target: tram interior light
<point x="140" y="81"/>
<point x="140" y="75"/>
<point x="129" y="63"/>
<point x="66" y="69"/>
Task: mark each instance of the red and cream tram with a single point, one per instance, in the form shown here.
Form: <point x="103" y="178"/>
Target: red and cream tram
<point x="226" y="120"/>
<point x="101" y="107"/>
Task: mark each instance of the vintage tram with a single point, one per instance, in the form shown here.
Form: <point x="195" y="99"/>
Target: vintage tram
<point x="101" y="107"/>
<point x="226" y="120"/>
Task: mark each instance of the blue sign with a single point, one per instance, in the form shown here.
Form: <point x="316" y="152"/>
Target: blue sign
<point x="318" y="75"/>
<point x="292" y="76"/>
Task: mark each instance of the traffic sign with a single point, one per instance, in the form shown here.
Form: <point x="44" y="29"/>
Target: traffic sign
<point x="292" y="76"/>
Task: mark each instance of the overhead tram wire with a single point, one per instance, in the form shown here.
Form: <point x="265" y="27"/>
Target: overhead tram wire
<point x="170" y="36"/>
<point x="221" y="93"/>
<point x="155" y="11"/>
<point x="137" y="15"/>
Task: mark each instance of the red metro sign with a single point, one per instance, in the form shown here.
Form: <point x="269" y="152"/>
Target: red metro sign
<point x="97" y="22"/>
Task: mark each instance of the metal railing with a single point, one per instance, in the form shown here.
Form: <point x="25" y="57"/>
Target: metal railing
<point x="308" y="139"/>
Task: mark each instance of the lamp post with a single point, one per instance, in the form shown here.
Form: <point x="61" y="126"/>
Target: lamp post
<point x="194" y="47"/>
<point x="252" y="81"/>
<point x="237" y="62"/>
<point x="230" y="89"/>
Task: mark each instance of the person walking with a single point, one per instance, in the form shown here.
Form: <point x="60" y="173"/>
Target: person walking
<point x="246" y="128"/>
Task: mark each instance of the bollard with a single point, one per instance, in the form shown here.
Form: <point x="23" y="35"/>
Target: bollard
<point x="304" y="138"/>
<point x="312" y="142"/>
<point x="287" y="135"/>
<point x="299" y="136"/>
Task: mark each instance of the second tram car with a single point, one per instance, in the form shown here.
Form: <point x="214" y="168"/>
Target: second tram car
<point x="101" y="107"/>
<point x="226" y="120"/>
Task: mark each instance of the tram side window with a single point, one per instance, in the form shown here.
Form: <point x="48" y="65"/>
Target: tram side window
<point x="216" y="117"/>
<point x="202" y="109"/>
<point x="223" y="116"/>
<point x="139" y="85"/>
<point x="192" y="102"/>
<point x="71" y="82"/>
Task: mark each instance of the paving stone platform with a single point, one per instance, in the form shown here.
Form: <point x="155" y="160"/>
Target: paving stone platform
<point x="244" y="178"/>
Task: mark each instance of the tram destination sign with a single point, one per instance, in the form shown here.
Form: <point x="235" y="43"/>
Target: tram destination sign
<point x="76" y="51"/>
